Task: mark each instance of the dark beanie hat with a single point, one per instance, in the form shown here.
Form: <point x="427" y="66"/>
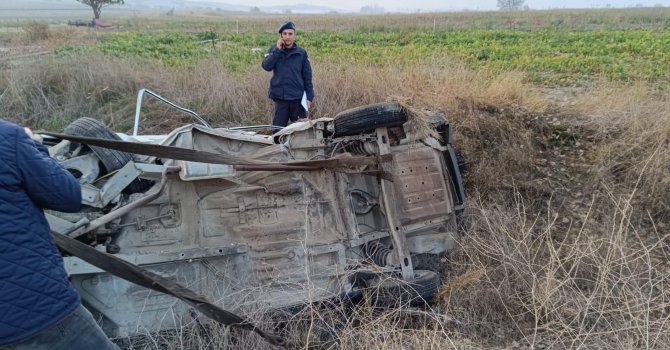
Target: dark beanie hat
<point x="286" y="25"/>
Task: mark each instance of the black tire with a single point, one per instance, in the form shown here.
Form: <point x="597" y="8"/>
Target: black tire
<point x="392" y="292"/>
<point x="356" y="120"/>
<point x="112" y="160"/>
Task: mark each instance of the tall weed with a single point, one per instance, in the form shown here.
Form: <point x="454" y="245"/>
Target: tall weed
<point x="550" y="284"/>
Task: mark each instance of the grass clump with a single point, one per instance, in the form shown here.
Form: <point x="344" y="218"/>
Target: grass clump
<point x="548" y="282"/>
<point x="36" y="31"/>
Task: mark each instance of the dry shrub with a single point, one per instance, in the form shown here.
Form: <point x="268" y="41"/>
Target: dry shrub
<point x="456" y="283"/>
<point x="560" y="286"/>
<point x="334" y="326"/>
<point x="631" y="126"/>
<point x="322" y="325"/>
<point x="505" y="91"/>
<point x="343" y="86"/>
<point x="226" y="99"/>
<point x="499" y="150"/>
<point x="36" y="31"/>
<point x="60" y="37"/>
<point x="40" y="38"/>
<point x="459" y="90"/>
<point x="52" y="92"/>
<point x="450" y="89"/>
<point x="402" y="329"/>
<point x="546" y="270"/>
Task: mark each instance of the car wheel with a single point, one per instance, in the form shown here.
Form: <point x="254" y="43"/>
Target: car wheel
<point x="384" y="291"/>
<point x="112" y="160"/>
<point x="356" y="120"/>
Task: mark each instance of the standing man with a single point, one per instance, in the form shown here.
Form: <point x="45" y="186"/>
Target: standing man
<point x="39" y="308"/>
<point x="291" y="79"/>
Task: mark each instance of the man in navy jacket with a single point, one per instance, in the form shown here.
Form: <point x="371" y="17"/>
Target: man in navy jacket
<point x="39" y="308"/>
<point x="291" y="78"/>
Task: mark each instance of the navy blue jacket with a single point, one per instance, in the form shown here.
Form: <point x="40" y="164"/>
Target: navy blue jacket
<point x="35" y="292"/>
<point x="292" y="73"/>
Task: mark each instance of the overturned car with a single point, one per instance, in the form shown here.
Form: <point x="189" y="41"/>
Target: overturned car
<point x="317" y="212"/>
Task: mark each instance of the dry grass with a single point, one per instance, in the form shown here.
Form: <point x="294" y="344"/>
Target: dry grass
<point x="574" y="257"/>
<point x="528" y="277"/>
<point x="36" y="36"/>
<point x="631" y="125"/>
<point x="36" y="31"/>
<point x="52" y="92"/>
<point x="342" y="325"/>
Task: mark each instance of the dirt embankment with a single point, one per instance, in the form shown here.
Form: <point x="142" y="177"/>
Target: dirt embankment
<point x="568" y="245"/>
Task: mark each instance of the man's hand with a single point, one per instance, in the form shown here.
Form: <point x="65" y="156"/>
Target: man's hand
<point x="280" y="43"/>
<point x="309" y="104"/>
<point x="36" y="138"/>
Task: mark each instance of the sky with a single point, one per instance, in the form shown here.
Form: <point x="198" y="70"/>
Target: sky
<point x="403" y="5"/>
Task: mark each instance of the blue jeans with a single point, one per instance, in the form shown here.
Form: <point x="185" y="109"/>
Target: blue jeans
<point x="78" y="331"/>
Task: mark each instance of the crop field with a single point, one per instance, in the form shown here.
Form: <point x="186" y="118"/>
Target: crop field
<point x="562" y="118"/>
<point x="552" y="52"/>
<point x="553" y="57"/>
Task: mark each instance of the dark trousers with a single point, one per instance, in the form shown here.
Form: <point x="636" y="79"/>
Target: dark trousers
<point x="287" y="110"/>
<point x="78" y="331"/>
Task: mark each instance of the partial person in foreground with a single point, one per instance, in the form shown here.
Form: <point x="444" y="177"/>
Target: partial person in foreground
<point x="291" y="81"/>
<point x="39" y="307"/>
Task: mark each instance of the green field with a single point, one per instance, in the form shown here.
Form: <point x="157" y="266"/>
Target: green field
<point x="547" y="56"/>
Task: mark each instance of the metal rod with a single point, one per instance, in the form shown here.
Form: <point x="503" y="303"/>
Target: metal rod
<point x="148" y="197"/>
<point x="138" y="106"/>
<point x="404" y="259"/>
<point x="250" y="127"/>
<point x="272" y="167"/>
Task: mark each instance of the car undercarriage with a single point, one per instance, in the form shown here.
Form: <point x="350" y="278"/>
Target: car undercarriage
<point x="318" y="211"/>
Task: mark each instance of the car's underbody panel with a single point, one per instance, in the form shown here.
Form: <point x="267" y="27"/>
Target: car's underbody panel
<point x="263" y="238"/>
